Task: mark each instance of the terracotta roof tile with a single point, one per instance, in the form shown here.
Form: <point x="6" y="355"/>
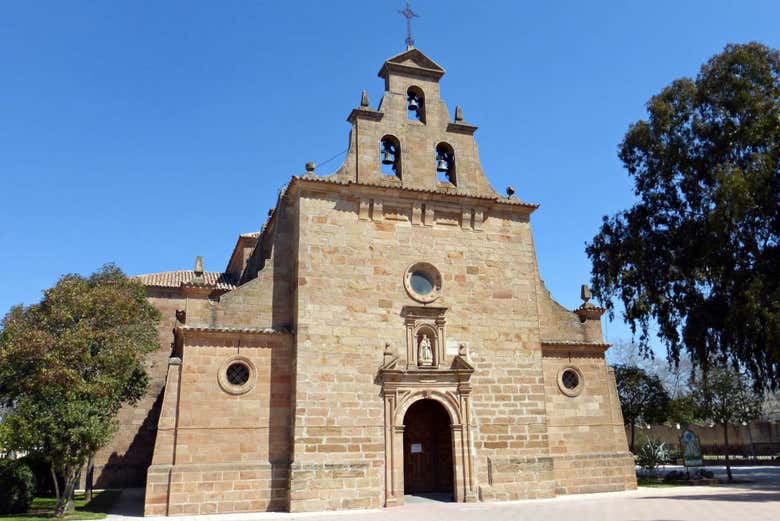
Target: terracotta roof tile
<point x="173" y="279"/>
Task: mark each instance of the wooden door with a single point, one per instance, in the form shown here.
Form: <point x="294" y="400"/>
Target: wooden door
<point x="427" y="449"/>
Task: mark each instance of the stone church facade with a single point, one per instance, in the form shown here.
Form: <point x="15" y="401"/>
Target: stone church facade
<point x="387" y="332"/>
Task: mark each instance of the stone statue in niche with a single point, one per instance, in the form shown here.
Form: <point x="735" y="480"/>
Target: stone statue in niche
<point x="425" y="354"/>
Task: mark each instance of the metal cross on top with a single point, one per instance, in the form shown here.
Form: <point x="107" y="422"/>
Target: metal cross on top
<point x="409" y="14"/>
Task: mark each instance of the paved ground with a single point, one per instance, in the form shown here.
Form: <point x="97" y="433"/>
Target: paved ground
<point x="757" y="500"/>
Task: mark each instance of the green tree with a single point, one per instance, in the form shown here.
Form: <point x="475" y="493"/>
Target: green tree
<point x="698" y="253"/>
<point x="69" y="363"/>
<point x="642" y="397"/>
<point x="725" y="396"/>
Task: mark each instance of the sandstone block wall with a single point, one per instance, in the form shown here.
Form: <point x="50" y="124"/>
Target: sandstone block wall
<point x="350" y="297"/>
<point x="219" y="452"/>
<point x="124" y="461"/>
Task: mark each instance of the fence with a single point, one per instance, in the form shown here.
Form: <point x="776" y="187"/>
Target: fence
<point x="756" y="442"/>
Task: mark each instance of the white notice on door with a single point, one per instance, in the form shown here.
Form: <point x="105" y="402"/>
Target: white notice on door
<point x="416" y="448"/>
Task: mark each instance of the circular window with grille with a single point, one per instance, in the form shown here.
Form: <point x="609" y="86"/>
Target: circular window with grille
<point x="570" y="381"/>
<point x="237" y="375"/>
<point x="423" y="282"/>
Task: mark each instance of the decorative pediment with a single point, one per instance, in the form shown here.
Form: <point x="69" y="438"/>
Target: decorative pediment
<point x="393" y="375"/>
<point x="413" y="63"/>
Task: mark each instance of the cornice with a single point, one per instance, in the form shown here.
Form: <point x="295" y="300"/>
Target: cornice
<point x="503" y="203"/>
<point x="574" y="348"/>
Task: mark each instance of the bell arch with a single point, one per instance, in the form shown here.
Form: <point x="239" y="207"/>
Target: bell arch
<point x="390" y="157"/>
<point x="445" y="164"/>
<point x="415" y="99"/>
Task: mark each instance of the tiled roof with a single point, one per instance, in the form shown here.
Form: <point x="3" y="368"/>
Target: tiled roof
<point x="173" y="279"/>
<point x="236" y="329"/>
<point x="575" y="343"/>
<point x="494" y="198"/>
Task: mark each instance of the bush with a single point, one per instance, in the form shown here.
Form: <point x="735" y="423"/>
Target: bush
<point x="17" y="487"/>
<point x="651" y="454"/>
<point x="679" y="475"/>
<point x="675" y="475"/>
<point x="41" y="469"/>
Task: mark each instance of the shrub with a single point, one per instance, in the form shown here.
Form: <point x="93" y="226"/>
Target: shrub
<point x="702" y="474"/>
<point x="41" y="469"/>
<point x="651" y="454"/>
<point x="675" y="475"/>
<point x="17" y="487"/>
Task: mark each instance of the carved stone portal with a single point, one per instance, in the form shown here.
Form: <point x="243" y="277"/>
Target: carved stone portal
<point x="424" y="375"/>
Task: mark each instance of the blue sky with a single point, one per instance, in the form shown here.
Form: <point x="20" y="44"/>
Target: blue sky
<point x="148" y="132"/>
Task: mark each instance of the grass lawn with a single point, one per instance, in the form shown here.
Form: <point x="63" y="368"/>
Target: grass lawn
<point x="43" y="507"/>
<point x="656" y="484"/>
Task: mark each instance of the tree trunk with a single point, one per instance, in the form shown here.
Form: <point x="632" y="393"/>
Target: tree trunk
<point x="88" y="479"/>
<point x="65" y="502"/>
<point x="726" y="443"/>
<point x="56" y="483"/>
<point x="631" y="447"/>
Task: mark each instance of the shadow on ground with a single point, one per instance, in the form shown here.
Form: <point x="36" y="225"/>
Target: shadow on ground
<point x="130" y="503"/>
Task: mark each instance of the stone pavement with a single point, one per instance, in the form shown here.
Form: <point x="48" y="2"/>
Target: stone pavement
<point x="756" y="501"/>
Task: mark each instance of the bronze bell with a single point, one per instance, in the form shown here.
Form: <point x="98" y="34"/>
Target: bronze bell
<point x="413" y="103"/>
<point x="388" y="158"/>
<point x="442" y="166"/>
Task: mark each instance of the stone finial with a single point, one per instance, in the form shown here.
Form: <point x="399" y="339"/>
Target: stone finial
<point x="198" y="271"/>
<point x="463" y="350"/>
<point x="585" y="293"/>
<point x="510" y="191"/>
<point x="458" y="113"/>
<point x="388" y="354"/>
<point x="364" y="99"/>
<point x="310" y="166"/>
<point x="270" y="212"/>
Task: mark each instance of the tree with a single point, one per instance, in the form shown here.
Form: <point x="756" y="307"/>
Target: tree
<point x="642" y="397"/>
<point x="726" y="396"/>
<point x="673" y="375"/>
<point x="69" y="363"/>
<point x="698" y="253"/>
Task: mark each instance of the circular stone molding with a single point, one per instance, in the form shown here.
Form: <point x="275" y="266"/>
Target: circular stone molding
<point x="422" y="282"/>
<point x="570" y="381"/>
<point x="224" y="379"/>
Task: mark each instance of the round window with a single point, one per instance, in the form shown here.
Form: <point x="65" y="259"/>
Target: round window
<point x="423" y="282"/>
<point x="570" y="381"/>
<point x="238" y="374"/>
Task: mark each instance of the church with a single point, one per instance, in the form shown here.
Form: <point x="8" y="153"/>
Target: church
<point x="385" y="333"/>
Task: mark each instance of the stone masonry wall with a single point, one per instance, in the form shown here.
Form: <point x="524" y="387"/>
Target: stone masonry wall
<point x="587" y="440"/>
<point x="219" y="452"/>
<point x="350" y="296"/>
<point x="123" y="462"/>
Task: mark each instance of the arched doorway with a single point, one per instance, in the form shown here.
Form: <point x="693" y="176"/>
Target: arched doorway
<point x="428" y="468"/>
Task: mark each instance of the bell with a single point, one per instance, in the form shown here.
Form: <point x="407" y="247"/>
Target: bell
<point x="413" y="104"/>
<point x="388" y="158"/>
<point x="442" y="166"/>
